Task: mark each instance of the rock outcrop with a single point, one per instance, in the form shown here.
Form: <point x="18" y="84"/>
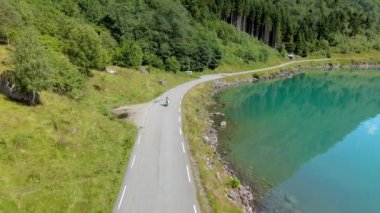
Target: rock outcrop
<point x="10" y="90"/>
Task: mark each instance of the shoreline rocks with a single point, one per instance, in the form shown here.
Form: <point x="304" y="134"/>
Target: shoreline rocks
<point x="243" y="193"/>
<point x="220" y="84"/>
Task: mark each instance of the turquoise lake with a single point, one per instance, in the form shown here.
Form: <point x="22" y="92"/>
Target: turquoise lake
<point x="313" y="139"/>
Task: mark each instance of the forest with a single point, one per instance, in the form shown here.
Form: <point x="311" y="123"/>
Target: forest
<point x="301" y="26"/>
<point x="65" y="39"/>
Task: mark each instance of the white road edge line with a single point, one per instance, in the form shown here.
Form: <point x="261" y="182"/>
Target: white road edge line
<point x="179" y="119"/>
<point x="188" y="173"/>
<point x="195" y="209"/>
<point x="122" y="197"/>
<point x="183" y="148"/>
<point x="179" y="109"/>
<point x="138" y="140"/>
<point x="180" y="131"/>
<point x="133" y="161"/>
<point x="180" y="103"/>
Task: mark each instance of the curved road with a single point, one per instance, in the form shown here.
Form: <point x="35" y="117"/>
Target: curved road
<point x="159" y="177"/>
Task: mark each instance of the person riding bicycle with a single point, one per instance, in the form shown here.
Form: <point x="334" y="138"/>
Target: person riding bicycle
<point x="167" y="101"/>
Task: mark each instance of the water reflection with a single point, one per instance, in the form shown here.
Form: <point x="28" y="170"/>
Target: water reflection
<point x="285" y="129"/>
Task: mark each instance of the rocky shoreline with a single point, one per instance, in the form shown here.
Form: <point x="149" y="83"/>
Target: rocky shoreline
<point x="244" y="193"/>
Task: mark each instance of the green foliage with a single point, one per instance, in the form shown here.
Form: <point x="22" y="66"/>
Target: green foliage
<point x="65" y="78"/>
<point x="172" y="64"/>
<point x="153" y="60"/>
<point x="298" y="25"/>
<point x="129" y="55"/>
<point x="84" y="48"/>
<point x="31" y="67"/>
<point x="9" y="19"/>
<point x="234" y="183"/>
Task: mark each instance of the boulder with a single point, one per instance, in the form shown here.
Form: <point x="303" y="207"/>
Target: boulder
<point x="217" y="114"/>
<point x="110" y="71"/>
<point x="233" y="195"/>
<point x="223" y="124"/>
<point x="163" y="83"/>
<point x="143" y="70"/>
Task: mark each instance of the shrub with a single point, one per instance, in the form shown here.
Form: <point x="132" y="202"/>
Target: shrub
<point x="249" y="56"/>
<point x="376" y="46"/>
<point x="264" y="55"/>
<point x="328" y="54"/>
<point x="216" y="58"/>
<point x="153" y="60"/>
<point x="84" y="49"/>
<point x="172" y="64"/>
<point x="66" y="78"/>
<point x="129" y="55"/>
<point x="234" y="183"/>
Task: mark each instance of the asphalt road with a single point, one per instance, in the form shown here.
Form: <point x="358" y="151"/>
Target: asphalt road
<point x="159" y="177"/>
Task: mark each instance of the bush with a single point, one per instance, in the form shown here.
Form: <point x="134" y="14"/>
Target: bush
<point x="234" y="183"/>
<point x="153" y="60"/>
<point x="216" y="58"/>
<point x="172" y="64"/>
<point x="129" y="55"/>
<point x="85" y="49"/>
<point x="376" y="46"/>
<point x="66" y="78"/>
<point x="264" y="55"/>
<point x="328" y="54"/>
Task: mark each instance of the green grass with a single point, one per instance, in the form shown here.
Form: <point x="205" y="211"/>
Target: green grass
<point x="60" y="155"/>
<point x="370" y="57"/>
<point x="129" y="86"/>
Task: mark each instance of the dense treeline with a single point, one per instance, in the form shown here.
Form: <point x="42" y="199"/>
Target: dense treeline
<point x="62" y="40"/>
<point x="301" y="26"/>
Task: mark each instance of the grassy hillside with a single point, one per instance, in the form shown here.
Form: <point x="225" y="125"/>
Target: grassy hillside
<point x="71" y="154"/>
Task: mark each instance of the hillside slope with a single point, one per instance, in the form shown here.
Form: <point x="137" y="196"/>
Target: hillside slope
<point x="302" y="26"/>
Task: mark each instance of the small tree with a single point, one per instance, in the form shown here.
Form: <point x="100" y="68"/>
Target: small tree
<point x="85" y="49"/>
<point x="31" y="68"/>
<point x="129" y="55"/>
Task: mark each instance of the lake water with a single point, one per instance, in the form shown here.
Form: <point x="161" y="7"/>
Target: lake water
<point x="313" y="139"/>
